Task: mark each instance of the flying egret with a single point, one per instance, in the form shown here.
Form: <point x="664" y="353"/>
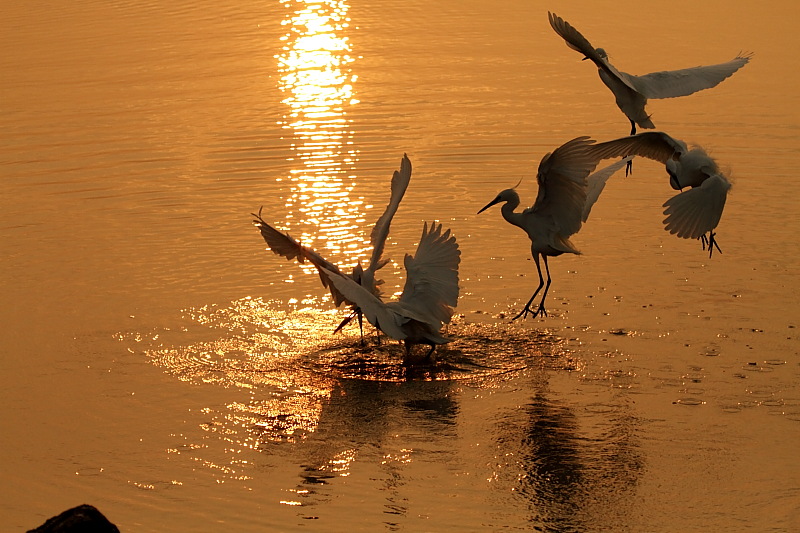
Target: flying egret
<point x="429" y="295"/>
<point x="283" y="244"/>
<point x="562" y="204"/>
<point x="631" y="92"/>
<point x="692" y="213"/>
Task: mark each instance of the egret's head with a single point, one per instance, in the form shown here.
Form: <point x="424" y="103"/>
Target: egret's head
<point x="673" y="168"/>
<point x="507" y="195"/>
<point x="602" y="53"/>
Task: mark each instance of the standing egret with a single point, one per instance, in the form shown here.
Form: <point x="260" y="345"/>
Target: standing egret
<point x="692" y="213"/>
<point x="561" y="206"/>
<point x="631" y="92"/>
<point x="429" y="295"/>
<point x="283" y="244"/>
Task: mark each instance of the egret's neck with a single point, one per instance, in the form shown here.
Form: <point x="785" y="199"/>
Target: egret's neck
<point x="508" y="211"/>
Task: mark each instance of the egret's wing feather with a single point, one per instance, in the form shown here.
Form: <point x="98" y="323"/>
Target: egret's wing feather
<point x="597" y="182"/>
<point x="674" y="83"/>
<point x="572" y="37"/>
<point x="578" y="42"/>
<point x="377" y="312"/>
<point x="285" y="245"/>
<point x="431" y="288"/>
<point x="697" y="211"/>
<point x="654" y="145"/>
<point x="380" y="231"/>
<point x="562" y="185"/>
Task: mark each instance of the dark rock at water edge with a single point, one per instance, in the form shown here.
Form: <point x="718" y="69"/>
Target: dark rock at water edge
<point x="80" y="519"/>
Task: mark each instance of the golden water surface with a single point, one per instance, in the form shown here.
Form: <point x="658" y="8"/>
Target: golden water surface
<point x="161" y="364"/>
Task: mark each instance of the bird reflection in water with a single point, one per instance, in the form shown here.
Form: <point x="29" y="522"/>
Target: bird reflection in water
<point x="577" y="466"/>
<point x="289" y="388"/>
<point x="379" y="423"/>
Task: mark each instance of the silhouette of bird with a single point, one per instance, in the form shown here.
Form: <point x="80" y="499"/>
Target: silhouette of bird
<point x="632" y="92"/>
<point x="429" y="295"/>
<point x="693" y="213"/>
<point x="284" y="245"/>
<point x="562" y="205"/>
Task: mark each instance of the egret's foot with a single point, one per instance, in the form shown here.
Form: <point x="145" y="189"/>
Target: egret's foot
<point x="527" y="311"/>
<point x="710" y="242"/>
<point x="523" y="313"/>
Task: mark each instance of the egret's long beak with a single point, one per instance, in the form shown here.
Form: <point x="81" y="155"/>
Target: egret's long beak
<point x="673" y="181"/>
<point x="490" y="204"/>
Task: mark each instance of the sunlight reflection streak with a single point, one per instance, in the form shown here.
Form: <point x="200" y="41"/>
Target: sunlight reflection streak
<point x="318" y="83"/>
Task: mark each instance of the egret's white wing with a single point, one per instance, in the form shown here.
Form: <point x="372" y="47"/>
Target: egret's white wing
<point x="377" y="312"/>
<point x="578" y="42"/>
<point x="654" y="145"/>
<point x="284" y="245"/>
<point x="573" y="37"/>
<point x="431" y="288"/>
<point x="596" y="182"/>
<point x="562" y="185"/>
<point x="674" y="83"/>
<point x="380" y="231"/>
<point x="697" y="211"/>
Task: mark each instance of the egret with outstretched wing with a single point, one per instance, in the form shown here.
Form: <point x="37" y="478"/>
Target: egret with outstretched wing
<point x="695" y="212"/>
<point x="284" y="245"/>
<point x="563" y="203"/>
<point x="429" y="296"/>
<point x="632" y="92"/>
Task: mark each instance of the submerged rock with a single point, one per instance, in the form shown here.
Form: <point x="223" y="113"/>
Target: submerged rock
<point x="80" y="519"/>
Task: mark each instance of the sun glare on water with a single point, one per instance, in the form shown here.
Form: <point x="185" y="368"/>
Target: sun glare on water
<point x="317" y="79"/>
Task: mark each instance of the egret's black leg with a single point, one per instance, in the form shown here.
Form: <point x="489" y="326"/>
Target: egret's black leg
<point x="547" y="288"/>
<point x="527" y="308"/>
<point x="629" y="168"/>
<point x="407" y="359"/>
<point x="344" y="322"/>
<point x="361" y="326"/>
<point x="354" y="313"/>
<point x="430" y="352"/>
<point x="629" y="164"/>
<point x="711" y="242"/>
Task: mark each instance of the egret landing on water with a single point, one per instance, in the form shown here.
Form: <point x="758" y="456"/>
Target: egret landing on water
<point x="563" y="203"/>
<point x="429" y="295"/>
<point x="692" y="213"/>
<point x="631" y="92"/>
<point x="284" y="245"/>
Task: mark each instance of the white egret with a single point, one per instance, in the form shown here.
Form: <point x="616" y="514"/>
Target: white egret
<point x="631" y="92"/>
<point x="562" y="204"/>
<point x="283" y="244"/>
<point x="692" y="213"/>
<point x="429" y="295"/>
